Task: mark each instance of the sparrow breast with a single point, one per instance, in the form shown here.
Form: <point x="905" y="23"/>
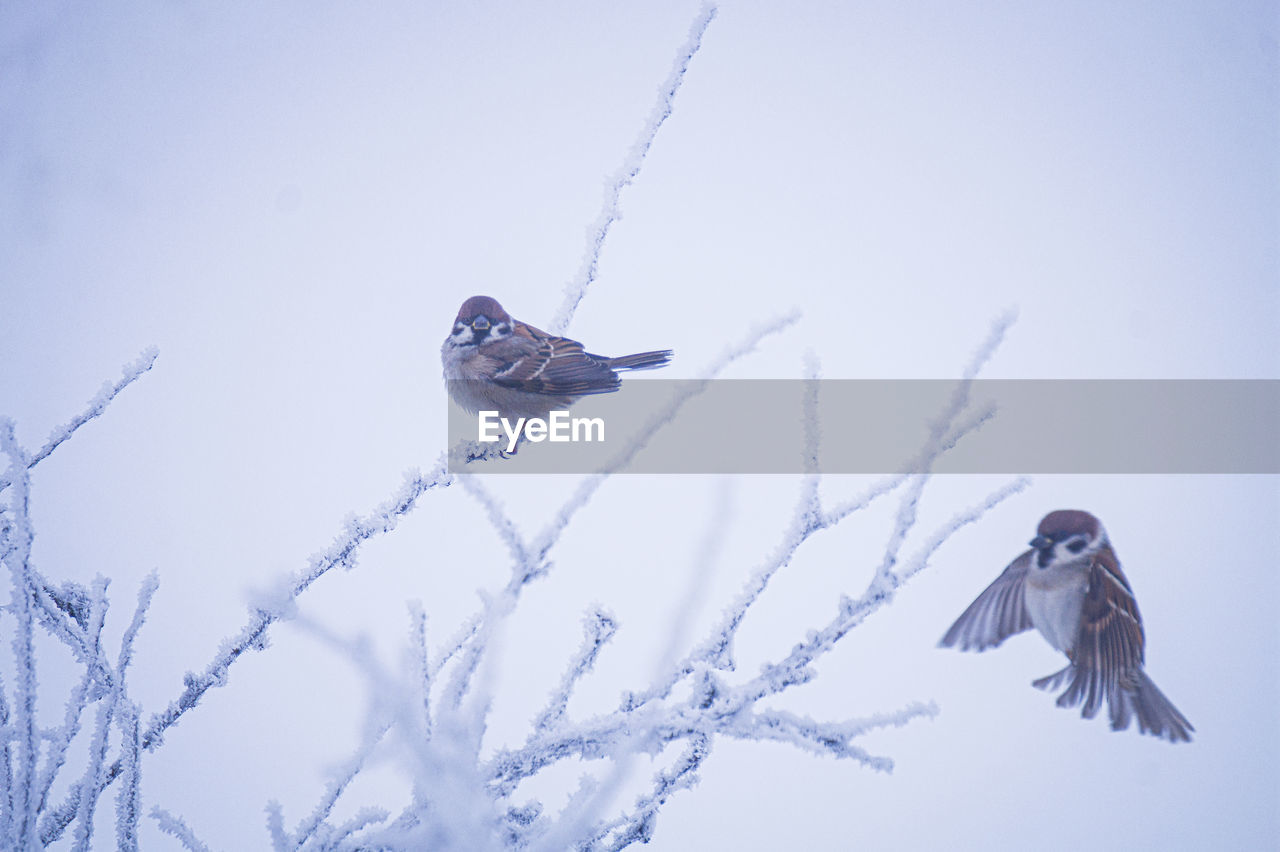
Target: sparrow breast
<point x="1054" y="597"/>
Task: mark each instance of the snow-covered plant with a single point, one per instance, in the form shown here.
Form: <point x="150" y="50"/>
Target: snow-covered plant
<point x="465" y="794"/>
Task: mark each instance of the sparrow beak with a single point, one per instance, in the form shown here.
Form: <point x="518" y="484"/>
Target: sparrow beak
<point x="480" y="323"/>
<point x="1041" y="542"/>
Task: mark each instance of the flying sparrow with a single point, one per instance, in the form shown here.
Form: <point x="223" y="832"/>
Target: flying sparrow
<point x="493" y="362"/>
<point x="1069" y="586"/>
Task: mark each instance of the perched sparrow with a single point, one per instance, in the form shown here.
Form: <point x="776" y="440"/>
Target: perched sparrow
<point x="1069" y="586"/>
<point x="495" y="363"/>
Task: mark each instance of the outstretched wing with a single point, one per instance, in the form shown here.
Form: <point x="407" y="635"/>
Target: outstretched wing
<point x="998" y="613"/>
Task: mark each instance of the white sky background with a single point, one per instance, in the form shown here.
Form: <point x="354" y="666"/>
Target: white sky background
<point x="292" y="203"/>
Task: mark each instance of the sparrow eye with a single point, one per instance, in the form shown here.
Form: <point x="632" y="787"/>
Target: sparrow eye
<point x="1076" y="546"/>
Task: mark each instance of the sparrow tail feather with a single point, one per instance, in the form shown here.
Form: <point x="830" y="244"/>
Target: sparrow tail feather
<point x="640" y="360"/>
<point x="1050" y="683"/>
<point x="1132" y="695"/>
<point x="1084" y="688"/>
<point x="1155" y="713"/>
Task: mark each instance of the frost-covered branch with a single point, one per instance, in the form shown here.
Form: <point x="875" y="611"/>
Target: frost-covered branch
<point x="530" y="560"/>
<point x="78" y="700"/>
<point x="253" y="636"/>
<point x="638" y="825"/>
<point x="459" y="792"/>
<point x="341" y="553"/>
<point x="75" y="616"/>
<point x="449" y="809"/>
<point x="576" y="289"/>
<point x="315" y="822"/>
<point x="17" y="558"/>
<point x="431" y="716"/>
<point x="51" y="611"/>
<point x="117" y="709"/>
<point x="598" y="628"/>
<point x="96" y="406"/>
<point x="129" y="796"/>
<point x="175" y="827"/>
<point x="648" y="720"/>
<point x="825" y="738"/>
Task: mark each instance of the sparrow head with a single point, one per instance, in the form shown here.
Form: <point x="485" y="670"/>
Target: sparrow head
<point x="1067" y="535"/>
<point x="480" y="319"/>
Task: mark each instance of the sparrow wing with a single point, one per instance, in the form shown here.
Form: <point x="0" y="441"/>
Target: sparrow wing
<point x="1110" y="627"/>
<point x="1109" y="643"/>
<point x="556" y="366"/>
<point x="998" y="613"/>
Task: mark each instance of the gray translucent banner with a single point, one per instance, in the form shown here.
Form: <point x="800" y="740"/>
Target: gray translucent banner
<point x="1027" y="426"/>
